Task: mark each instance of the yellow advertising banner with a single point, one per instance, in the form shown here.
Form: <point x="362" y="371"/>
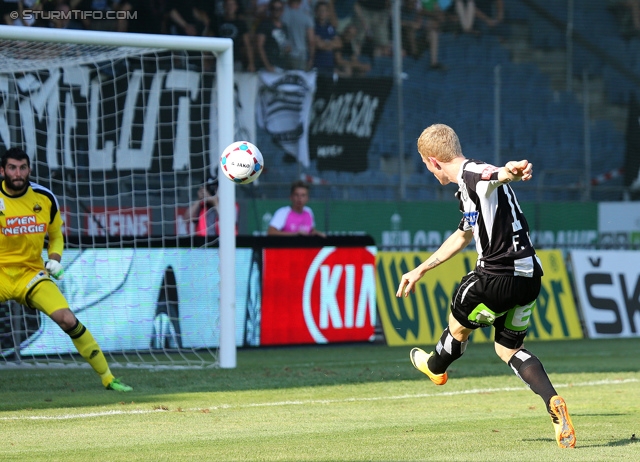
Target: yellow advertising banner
<point x="420" y="318"/>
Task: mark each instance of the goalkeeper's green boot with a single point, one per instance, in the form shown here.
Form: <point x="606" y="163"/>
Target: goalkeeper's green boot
<point x="117" y="385"/>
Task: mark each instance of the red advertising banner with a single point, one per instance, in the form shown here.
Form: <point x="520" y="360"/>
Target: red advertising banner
<point x="114" y="221"/>
<point x="318" y="295"/>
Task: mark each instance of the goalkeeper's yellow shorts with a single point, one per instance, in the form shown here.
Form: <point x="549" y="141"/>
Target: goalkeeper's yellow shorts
<point x="31" y="287"/>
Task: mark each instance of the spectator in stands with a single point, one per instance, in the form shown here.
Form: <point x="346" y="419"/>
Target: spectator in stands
<point x="349" y="60"/>
<point x="24" y="276"/>
<point x="230" y="25"/>
<point x="188" y="17"/>
<point x="421" y="26"/>
<point x="296" y="219"/>
<point x="119" y="24"/>
<point x="66" y="20"/>
<point x="272" y="40"/>
<point x="327" y="41"/>
<point x="300" y="29"/>
<point x="433" y="19"/>
<point x="502" y="290"/>
<point x="259" y="10"/>
<point x="343" y="12"/>
<point x="372" y="19"/>
<point x="151" y="17"/>
<point x="628" y="14"/>
<point x="6" y="7"/>
<point x="203" y="212"/>
<point x="411" y="25"/>
<point x="490" y="15"/>
<point x="466" y="11"/>
<point x="62" y="21"/>
<point x="634" y="9"/>
<point x="9" y="9"/>
<point x="308" y="6"/>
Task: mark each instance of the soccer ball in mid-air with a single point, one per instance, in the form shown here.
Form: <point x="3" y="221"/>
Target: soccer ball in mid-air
<point x="241" y="162"/>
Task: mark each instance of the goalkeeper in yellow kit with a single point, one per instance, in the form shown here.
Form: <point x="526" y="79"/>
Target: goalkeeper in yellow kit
<point x="28" y="213"/>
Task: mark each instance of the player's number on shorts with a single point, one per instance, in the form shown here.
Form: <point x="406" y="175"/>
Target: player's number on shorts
<point x="522" y="314"/>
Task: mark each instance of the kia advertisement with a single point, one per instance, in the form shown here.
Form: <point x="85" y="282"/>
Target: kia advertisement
<point x="318" y="295"/>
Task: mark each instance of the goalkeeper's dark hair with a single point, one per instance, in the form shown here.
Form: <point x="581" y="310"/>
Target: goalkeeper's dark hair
<point x="299" y="184"/>
<point x="15" y="154"/>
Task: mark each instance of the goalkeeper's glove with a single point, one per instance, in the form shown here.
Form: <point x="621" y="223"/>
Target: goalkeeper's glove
<point x="54" y="269"/>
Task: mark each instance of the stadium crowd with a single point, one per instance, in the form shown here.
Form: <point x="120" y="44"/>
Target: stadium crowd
<point x="335" y="37"/>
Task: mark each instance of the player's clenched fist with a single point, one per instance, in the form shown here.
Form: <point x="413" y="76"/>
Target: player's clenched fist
<point x="522" y="169"/>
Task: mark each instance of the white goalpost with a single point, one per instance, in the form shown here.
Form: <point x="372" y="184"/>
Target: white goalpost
<point x="125" y="128"/>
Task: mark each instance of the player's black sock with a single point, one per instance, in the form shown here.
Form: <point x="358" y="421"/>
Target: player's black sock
<point x="530" y="370"/>
<point x="447" y="351"/>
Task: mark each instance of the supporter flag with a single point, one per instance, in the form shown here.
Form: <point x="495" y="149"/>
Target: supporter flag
<point x="283" y="112"/>
<point x="343" y="121"/>
<point x="632" y="154"/>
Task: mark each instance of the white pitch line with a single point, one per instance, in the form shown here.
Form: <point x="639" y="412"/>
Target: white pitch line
<point x="80" y="416"/>
<point x="320" y="401"/>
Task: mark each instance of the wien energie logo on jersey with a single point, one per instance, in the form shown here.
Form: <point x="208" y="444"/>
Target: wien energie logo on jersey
<point x="23" y="225"/>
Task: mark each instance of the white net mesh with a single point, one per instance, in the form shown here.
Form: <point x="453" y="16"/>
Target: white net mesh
<point x="124" y="138"/>
<point x="20" y="56"/>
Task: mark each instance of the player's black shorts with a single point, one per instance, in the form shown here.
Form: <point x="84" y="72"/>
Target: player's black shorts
<point x="506" y="302"/>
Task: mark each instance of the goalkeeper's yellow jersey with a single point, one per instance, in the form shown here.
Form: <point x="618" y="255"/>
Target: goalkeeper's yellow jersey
<point x="25" y="221"/>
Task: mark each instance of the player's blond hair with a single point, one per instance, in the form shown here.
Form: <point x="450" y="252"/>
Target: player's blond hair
<point x="439" y="141"/>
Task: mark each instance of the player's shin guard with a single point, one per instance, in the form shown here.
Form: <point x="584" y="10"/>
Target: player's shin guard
<point x="90" y="351"/>
<point x="447" y="351"/>
<point x="530" y="370"/>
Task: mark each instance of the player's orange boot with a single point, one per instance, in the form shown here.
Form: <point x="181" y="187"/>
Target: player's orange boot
<point x="419" y="359"/>
<point x="565" y="433"/>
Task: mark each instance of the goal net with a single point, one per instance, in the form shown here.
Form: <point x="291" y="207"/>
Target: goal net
<point x="125" y="130"/>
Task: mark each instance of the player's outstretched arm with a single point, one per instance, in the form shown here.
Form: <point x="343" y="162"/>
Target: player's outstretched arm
<point x="516" y="170"/>
<point x="454" y="244"/>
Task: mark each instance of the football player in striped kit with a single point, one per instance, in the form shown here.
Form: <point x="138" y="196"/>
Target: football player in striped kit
<point x="29" y="213"/>
<point x="503" y="288"/>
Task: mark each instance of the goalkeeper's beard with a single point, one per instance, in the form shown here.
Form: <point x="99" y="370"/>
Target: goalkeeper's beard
<point x="17" y="185"/>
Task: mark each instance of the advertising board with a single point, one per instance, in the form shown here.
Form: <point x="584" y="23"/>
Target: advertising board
<point x="136" y="299"/>
<point x="318" y="295"/>
<point x="608" y="287"/>
<point x="421" y="317"/>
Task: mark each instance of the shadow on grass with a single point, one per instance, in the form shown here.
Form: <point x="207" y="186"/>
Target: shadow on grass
<point x="294" y="367"/>
<point x="615" y="443"/>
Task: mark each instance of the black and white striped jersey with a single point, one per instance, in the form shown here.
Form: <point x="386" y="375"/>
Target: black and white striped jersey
<point x="500" y="229"/>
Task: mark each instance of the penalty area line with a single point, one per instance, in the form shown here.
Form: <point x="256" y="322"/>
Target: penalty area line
<point x="474" y="391"/>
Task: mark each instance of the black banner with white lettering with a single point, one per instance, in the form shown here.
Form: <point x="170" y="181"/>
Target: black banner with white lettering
<point x="138" y="117"/>
<point x="343" y="121"/>
<point x="632" y="153"/>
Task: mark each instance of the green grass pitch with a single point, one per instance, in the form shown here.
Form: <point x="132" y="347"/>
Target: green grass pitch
<point x="329" y="403"/>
